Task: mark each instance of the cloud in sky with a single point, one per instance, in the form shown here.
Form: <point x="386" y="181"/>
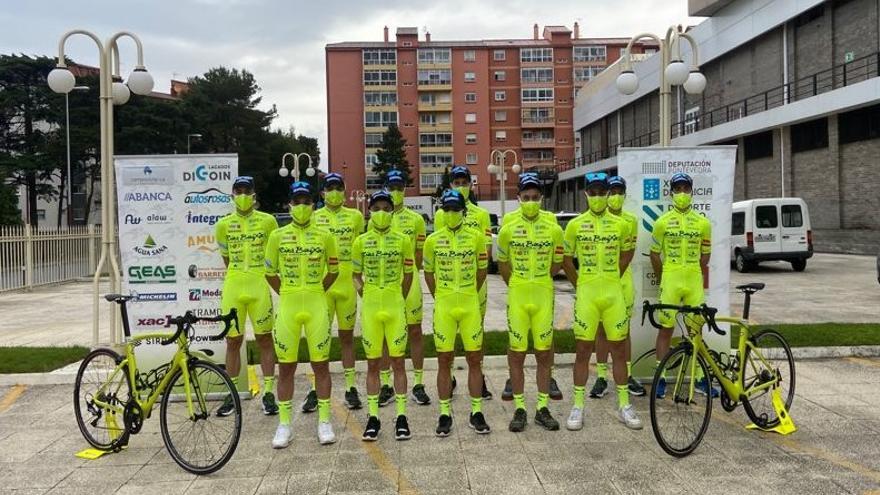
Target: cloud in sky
<point x="282" y="42"/>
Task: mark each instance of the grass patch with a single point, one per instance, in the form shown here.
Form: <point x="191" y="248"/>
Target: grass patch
<point x="38" y="359"/>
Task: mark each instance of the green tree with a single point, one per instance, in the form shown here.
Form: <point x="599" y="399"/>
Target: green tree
<point x="392" y="155"/>
<point x="446" y="183"/>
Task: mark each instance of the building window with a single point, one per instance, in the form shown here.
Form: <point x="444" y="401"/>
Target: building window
<point x="810" y="135"/>
<point x="430" y="181"/>
<point x="499" y="55"/>
<point x="380" y="78"/>
<point x="500" y="75"/>
<point x="372" y="140"/>
<point x="859" y="125"/>
<point x="537" y="115"/>
<point x="380" y="57"/>
<point x="738" y="224"/>
<point x="470" y="76"/>
<point x="530" y="95"/>
<point x="542" y="135"/>
<point x="407" y="44"/>
<point x="692" y="120"/>
<point x="792" y="216"/>
<point x="380" y="98"/>
<point x="589" y="53"/>
<point x="434" y="76"/>
<point x="536" y="55"/>
<point x="500" y="115"/>
<point x="379" y="119"/>
<point x="434" y="55"/>
<point x="765" y="217"/>
<point x="500" y="95"/>
<point x="539" y="156"/>
<point x="438" y="139"/>
<point x="500" y="135"/>
<point x="471" y="159"/>
<point x="582" y="74"/>
<point x="435" y="159"/>
<point x="536" y="75"/>
<point x="470" y="118"/>
<point x="470" y="97"/>
<point x="370" y="159"/>
<point x="758" y="145"/>
<point x="470" y="56"/>
<point x="470" y="139"/>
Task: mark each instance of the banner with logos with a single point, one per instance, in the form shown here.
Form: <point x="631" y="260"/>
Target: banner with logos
<point x="647" y="172"/>
<point x="168" y="206"/>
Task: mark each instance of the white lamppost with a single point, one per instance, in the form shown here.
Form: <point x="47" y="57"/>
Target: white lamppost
<point x="674" y="72"/>
<point x="67" y="132"/>
<point x="496" y="166"/>
<point x="188" y="136"/>
<point x="284" y="172"/>
<point x="140" y="82"/>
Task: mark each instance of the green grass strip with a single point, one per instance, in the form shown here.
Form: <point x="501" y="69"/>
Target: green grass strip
<point x="38" y="359"/>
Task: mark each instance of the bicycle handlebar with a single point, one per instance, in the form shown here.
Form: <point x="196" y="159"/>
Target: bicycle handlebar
<point x="703" y="310"/>
<point x="188" y="319"/>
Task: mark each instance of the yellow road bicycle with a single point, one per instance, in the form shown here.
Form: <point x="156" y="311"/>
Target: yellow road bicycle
<point x="759" y="374"/>
<point x="112" y="397"/>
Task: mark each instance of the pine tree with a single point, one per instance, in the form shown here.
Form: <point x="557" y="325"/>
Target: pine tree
<point x="392" y="155"/>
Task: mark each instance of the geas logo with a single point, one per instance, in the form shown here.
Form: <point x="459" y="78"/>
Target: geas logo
<point x="151" y="274"/>
<point x="150" y="247"/>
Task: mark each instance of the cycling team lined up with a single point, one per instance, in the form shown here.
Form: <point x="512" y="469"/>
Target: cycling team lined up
<point x="325" y="259"/>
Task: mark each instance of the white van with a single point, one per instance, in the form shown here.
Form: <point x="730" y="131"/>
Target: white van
<point x="770" y="229"/>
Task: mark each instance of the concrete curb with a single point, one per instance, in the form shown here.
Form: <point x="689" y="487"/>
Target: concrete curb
<point x="67" y="375"/>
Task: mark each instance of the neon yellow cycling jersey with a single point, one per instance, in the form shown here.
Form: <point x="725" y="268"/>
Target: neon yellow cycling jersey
<point x="345" y="224"/>
<point x="633" y="223"/>
<point x="476" y="218"/>
<point x="531" y="247"/>
<point x="517" y="213"/>
<point x="682" y="238"/>
<point x="408" y="222"/>
<point x="597" y="241"/>
<point x="242" y="239"/>
<point x="382" y="258"/>
<point x="455" y="256"/>
<point x="301" y="256"/>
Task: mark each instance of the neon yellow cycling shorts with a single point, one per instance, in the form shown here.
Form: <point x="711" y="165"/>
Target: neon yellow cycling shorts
<point x="414" y="301"/>
<point x="600" y="301"/>
<point x="250" y="295"/>
<point x="456" y="312"/>
<point x="383" y="318"/>
<point x="301" y="309"/>
<point x="342" y="300"/>
<point x="629" y="292"/>
<point x="680" y="287"/>
<point x="530" y="310"/>
<point x="484" y="297"/>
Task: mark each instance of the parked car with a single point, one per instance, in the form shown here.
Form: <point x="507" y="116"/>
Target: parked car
<point x="770" y="229"/>
<point x="282" y="218"/>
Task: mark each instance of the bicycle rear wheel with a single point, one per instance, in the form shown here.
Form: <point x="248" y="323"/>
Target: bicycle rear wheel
<point x="758" y="369"/>
<point x="680" y="419"/>
<point x="99" y="398"/>
<point x="201" y="442"/>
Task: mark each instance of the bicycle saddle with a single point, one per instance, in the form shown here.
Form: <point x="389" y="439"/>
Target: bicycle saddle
<point x="118" y="297"/>
<point x="750" y="288"/>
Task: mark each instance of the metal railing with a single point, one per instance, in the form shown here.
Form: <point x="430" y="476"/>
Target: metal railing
<point x="31" y="257"/>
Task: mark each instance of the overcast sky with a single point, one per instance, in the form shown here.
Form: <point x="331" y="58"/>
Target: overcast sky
<point x="282" y="41"/>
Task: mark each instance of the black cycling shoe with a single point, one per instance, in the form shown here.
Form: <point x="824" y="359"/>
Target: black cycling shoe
<point x="227" y="408"/>
<point x="444" y="425"/>
<point x="507" y="394"/>
<point x="371" y="432"/>
<point x="486" y="394"/>
<point x="386" y="395"/>
<point x="352" y="399"/>
<point x="555" y="393"/>
<point x="270" y="407"/>
<point x="310" y="404"/>
<point x="599" y="388"/>
<point x="401" y="428"/>
<point x="478" y="423"/>
<point x="518" y="423"/>
<point x="545" y="419"/>
<point x="635" y="388"/>
<point x="420" y="396"/>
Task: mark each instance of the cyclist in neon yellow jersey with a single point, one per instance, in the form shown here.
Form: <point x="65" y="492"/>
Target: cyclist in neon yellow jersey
<point x="478" y="219"/>
<point x="301" y="264"/>
<point x="345" y="224"/>
<point x="602" y="243"/>
<point x="529" y="254"/>
<point x="680" y="251"/>
<point x="615" y="206"/>
<point x="408" y="222"/>
<point x="241" y="237"/>
<point x="455" y="267"/>
<point x="383" y="261"/>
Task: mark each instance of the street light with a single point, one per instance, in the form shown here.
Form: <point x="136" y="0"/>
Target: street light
<point x="67" y="132"/>
<point x="496" y="167"/>
<point x="674" y="72"/>
<point x="360" y="199"/>
<point x="197" y="136"/>
<point x="284" y="172"/>
<point x="140" y="82"/>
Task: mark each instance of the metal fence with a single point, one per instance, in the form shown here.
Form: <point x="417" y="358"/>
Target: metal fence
<point x="32" y="257"/>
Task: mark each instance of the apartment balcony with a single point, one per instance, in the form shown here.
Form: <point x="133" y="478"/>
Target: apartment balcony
<point x="380" y="108"/>
<point x="538" y="142"/>
<point x="538" y="122"/>
<point x="540" y="163"/>
<point x="436" y="149"/>
<point x="376" y="130"/>
<point x="445" y="126"/>
<point x="380" y="87"/>
<point x="435" y="107"/>
<point x="432" y="86"/>
<point x="536" y="82"/>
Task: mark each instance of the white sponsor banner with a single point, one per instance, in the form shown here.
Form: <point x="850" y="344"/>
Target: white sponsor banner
<point x="168" y="207"/>
<point x="647" y="172"/>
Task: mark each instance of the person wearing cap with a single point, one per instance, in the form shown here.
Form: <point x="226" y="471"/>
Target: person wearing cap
<point x="602" y="243"/>
<point x="241" y="237"/>
<point x="680" y="250"/>
<point x="478" y="219"/>
<point x="510" y="215"/>
<point x="383" y="261"/>
<point x="616" y="197"/>
<point x="301" y="265"/>
<point x="345" y="224"/>
<point x="456" y="263"/>
<point x="407" y="221"/>
<point x="530" y="252"/>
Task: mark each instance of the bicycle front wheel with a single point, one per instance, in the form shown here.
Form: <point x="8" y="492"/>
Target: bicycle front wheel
<point x="199" y="440"/>
<point x="99" y="397"/>
<point x="681" y="417"/>
<point x="759" y="370"/>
